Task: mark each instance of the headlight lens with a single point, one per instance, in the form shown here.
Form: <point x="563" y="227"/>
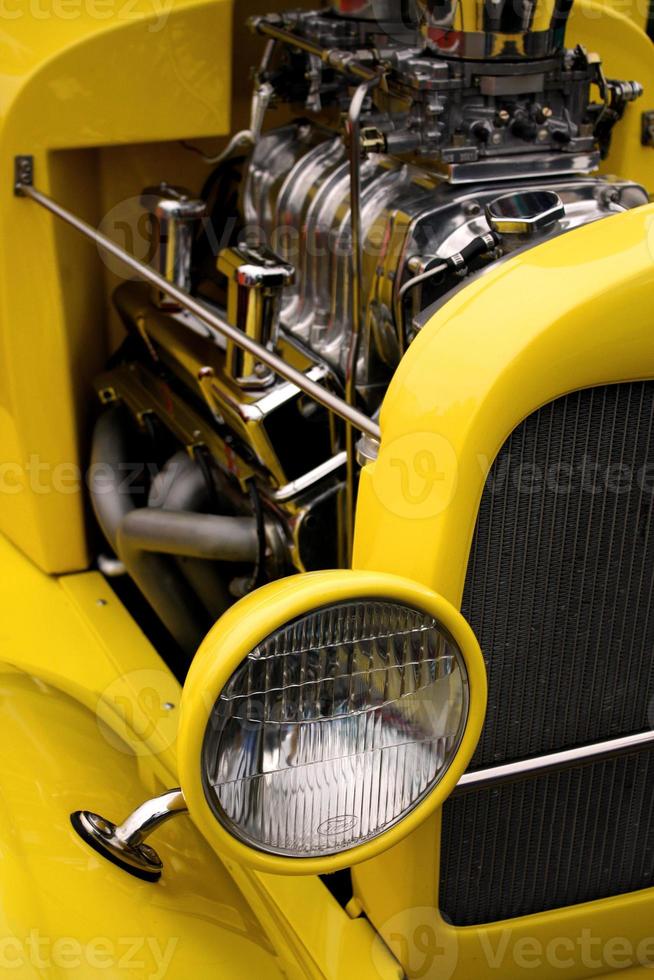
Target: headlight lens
<point x="335" y="728"/>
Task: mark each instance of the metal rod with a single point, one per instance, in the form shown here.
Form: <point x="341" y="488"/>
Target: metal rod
<point x="214" y="323"/>
<point x="292" y="489"/>
<point x="342" y="61"/>
<point x="354" y="133"/>
<point x="525" y="768"/>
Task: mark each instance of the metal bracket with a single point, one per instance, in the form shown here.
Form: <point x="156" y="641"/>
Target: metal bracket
<point x="124" y="844"/>
<point x="647" y="128"/>
<point x="23" y="173"/>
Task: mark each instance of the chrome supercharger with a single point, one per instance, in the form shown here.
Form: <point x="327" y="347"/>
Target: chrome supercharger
<point x="431" y="140"/>
<point x="461" y="117"/>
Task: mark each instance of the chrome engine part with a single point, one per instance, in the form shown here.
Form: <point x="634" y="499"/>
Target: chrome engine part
<point x="297" y="199"/>
<point x="423" y="155"/>
<point x="460" y="99"/>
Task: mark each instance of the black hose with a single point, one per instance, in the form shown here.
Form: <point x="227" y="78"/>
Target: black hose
<point x="457" y="263"/>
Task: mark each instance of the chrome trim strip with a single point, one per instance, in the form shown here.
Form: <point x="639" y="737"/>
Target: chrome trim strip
<point x="525" y="768"/>
<point x="216" y="326"/>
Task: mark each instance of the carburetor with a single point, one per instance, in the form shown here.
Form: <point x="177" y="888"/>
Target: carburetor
<point x="503" y="94"/>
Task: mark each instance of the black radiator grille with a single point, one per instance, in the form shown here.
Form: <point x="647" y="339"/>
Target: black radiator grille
<point x="559" y="593"/>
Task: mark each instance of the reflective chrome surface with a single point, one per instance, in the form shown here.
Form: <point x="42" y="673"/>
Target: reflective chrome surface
<point x="256" y="280"/>
<point x="383" y="11"/>
<point x="335" y="728"/>
<point x="524" y="97"/>
<point x="356" y="289"/>
<point x="341" y="61"/>
<point x="555" y="761"/>
<point x="298" y="193"/>
<point x="124" y="844"/>
<point x="506" y="30"/>
<point x="308" y="480"/>
<point x="215" y="326"/>
<point x="524" y="212"/>
<point x="173" y="215"/>
<point x="367" y="450"/>
<point x="531" y="166"/>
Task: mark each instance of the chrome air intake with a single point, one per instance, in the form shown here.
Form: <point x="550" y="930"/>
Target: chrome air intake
<point x="508" y="30"/>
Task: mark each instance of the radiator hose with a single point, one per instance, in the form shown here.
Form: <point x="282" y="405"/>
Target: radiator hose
<point x="149" y="539"/>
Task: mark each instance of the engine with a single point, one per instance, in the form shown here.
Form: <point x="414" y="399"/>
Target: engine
<point x="427" y="142"/>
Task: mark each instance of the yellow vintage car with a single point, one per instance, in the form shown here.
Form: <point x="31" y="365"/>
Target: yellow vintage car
<point x="327" y="489"/>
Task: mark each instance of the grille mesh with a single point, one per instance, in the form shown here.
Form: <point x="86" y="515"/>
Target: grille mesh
<point x="559" y="591"/>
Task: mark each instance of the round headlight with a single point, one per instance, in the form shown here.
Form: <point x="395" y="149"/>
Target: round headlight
<point x="335" y="727"/>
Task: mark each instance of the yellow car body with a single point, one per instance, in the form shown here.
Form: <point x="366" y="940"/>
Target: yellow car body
<point x="89" y="711"/>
